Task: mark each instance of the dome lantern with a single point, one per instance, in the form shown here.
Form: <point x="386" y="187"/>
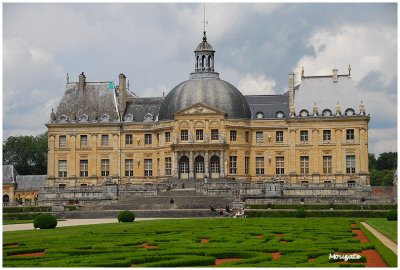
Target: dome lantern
<point x="204" y="56"/>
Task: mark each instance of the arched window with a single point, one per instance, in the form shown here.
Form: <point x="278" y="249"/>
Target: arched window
<point x="105" y="118"/>
<point x="326" y="112"/>
<point x="203" y="60"/>
<point x="349" y="112"/>
<point x="260" y="115"/>
<point x="304" y="113"/>
<point x="184" y="164"/>
<point x="280" y="114"/>
<point x="214" y="164"/>
<point x="199" y="164"/>
<point x="6" y="198"/>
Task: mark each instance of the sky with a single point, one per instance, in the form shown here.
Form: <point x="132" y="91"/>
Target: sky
<point x="257" y="45"/>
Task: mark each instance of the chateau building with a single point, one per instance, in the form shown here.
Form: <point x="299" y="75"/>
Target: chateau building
<point x="205" y="127"/>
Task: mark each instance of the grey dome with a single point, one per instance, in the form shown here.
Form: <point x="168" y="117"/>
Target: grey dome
<point x="213" y="92"/>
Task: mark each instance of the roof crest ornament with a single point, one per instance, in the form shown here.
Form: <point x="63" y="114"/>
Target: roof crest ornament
<point x="204" y="22"/>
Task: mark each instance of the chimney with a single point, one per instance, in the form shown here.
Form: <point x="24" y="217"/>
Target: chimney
<point x="335" y="76"/>
<point x="291" y="88"/>
<point x="82" y="81"/>
<point x="122" y="94"/>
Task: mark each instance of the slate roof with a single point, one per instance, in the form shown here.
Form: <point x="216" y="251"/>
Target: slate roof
<point x="213" y="92"/>
<point x="269" y="105"/>
<point x="9" y="174"/>
<point x="139" y="107"/>
<point x="30" y="182"/>
<point x="95" y="100"/>
<point x="326" y="93"/>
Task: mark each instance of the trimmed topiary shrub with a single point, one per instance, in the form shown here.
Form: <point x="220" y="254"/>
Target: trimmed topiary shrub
<point x="45" y="221"/>
<point x="392" y="215"/>
<point x="126" y="216"/>
<point x="301" y="213"/>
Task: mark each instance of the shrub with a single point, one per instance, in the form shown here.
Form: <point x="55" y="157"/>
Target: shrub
<point x="126" y="216"/>
<point x="392" y="215"/>
<point x="45" y="221"/>
<point x="301" y="213"/>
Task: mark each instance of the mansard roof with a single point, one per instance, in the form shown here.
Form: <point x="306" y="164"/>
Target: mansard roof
<point x="30" y="182"/>
<point x="9" y="174"/>
<point x="140" y="107"/>
<point x="268" y="105"/>
<point x="94" y="100"/>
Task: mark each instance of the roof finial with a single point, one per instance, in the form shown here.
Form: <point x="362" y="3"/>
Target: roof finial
<point x="67" y="78"/>
<point x="349" y="68"/>
<point x="204" y="22"/>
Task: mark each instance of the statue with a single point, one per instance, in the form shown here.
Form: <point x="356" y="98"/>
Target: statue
<point x="191" y="136"/>
<point x="362" y="108"/>
<point x="292" y="112"/>
<point x="338" y="110"/>
<point x="315" y="110"/>
<point x="302" y="72"/>
<point x="52" y="116"/>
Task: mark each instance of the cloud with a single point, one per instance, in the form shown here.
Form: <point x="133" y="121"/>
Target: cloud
<point x="33" y="83"/>
<point x="256" y="85"/>
<point x="366" y="47"/>
<point x="382" y="140"/>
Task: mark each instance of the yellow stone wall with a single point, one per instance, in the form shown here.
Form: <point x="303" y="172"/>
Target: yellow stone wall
<point x="207" y="118"/>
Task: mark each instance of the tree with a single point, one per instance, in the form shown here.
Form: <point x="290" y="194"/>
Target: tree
<point x="371" y="161"/>
<point x="387" y="161"/>
<point x="28" y="154"/>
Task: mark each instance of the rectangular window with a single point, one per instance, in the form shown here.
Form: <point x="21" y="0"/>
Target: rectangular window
<point x="233" y="164"/>
<point x="184" y="135"/>
<point x="259" y="137"/>
<point x="247" y="136"/>
<point x="62" y="168"/>
<point x="259" y="165"/>
<point x="233" y="134"/>
<point x="280" y="165"/>
<point x="349" y="134"/>
<point x="279" y="136"/>
<point x="351" y="164"/>
<point x="84" y="168"/>
<point x="327" y="164"/>
<point x="105" y="167"/>
<point x="304" y="165"/>
<point x="167" y="136"/>
<point x="84" y="141"/>
<point x="199" y="135"/>
<point x="148" y="167"/>
<point x="128" y="139"/>
<point x="214" y="134"/>
<point x="246" y="165"/>
<point x="148" y="139"/>
<point x="128" y="167"/>
<point x="326" y="135"/>
<point x="63" y="141"/>
<point x="304" y="135"/>
<point x="168" y="166"/>
<point x="104" y="140"/>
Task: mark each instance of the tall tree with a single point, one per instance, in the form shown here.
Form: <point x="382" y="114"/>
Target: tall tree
<point x="387" y="161"/>
<point x="371" y="161"/>
<point x="28" y="154"/>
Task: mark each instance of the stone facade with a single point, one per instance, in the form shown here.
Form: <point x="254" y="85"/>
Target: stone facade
<point x="116" y="137"/>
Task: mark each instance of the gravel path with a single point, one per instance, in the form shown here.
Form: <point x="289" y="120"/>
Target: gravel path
<point x="386" y="241"/>
<point x="69" y="222"/>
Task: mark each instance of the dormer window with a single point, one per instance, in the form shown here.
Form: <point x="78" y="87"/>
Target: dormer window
<point x="83" y="118"/>
<point x="304" y="113"/>
<point x="105" y="118"/>
<point x="280" y="114"/>
<point x="128" y="118"/>
<point x="63" y="119"/>
<point x="349" y="112"/>
<point x="148" y="118"/>
<point x="259" y="115"/>
<point x="326" y="112"/>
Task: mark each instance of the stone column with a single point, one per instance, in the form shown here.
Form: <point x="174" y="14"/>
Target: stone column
<point x="176" y="165"/>
<point x="206" y="162"/>
<point x="222" y="164"/>
<point x="191" y="165"/>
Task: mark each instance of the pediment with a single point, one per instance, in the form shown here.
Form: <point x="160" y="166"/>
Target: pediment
<point x="199" y="108"/>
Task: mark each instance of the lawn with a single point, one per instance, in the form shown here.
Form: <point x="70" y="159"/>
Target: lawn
<point x="384" y="226"/>
<point x="6" y="222"/>
<point x="256" y="242"/>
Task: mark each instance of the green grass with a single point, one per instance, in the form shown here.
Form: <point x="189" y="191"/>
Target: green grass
<point x="179" y="243"/>
<point x="388" y="256"/>
<point x="384" y="226"/>
<point x="24" y="221"/>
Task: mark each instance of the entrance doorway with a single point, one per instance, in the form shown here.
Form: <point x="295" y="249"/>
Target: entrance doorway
<point x="184" y="167"/>
<point x="199" y="167"/>
<point x="214" y="167"/>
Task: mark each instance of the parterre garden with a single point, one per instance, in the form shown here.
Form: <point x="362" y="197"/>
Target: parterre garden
<point x="255" y="242"/>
